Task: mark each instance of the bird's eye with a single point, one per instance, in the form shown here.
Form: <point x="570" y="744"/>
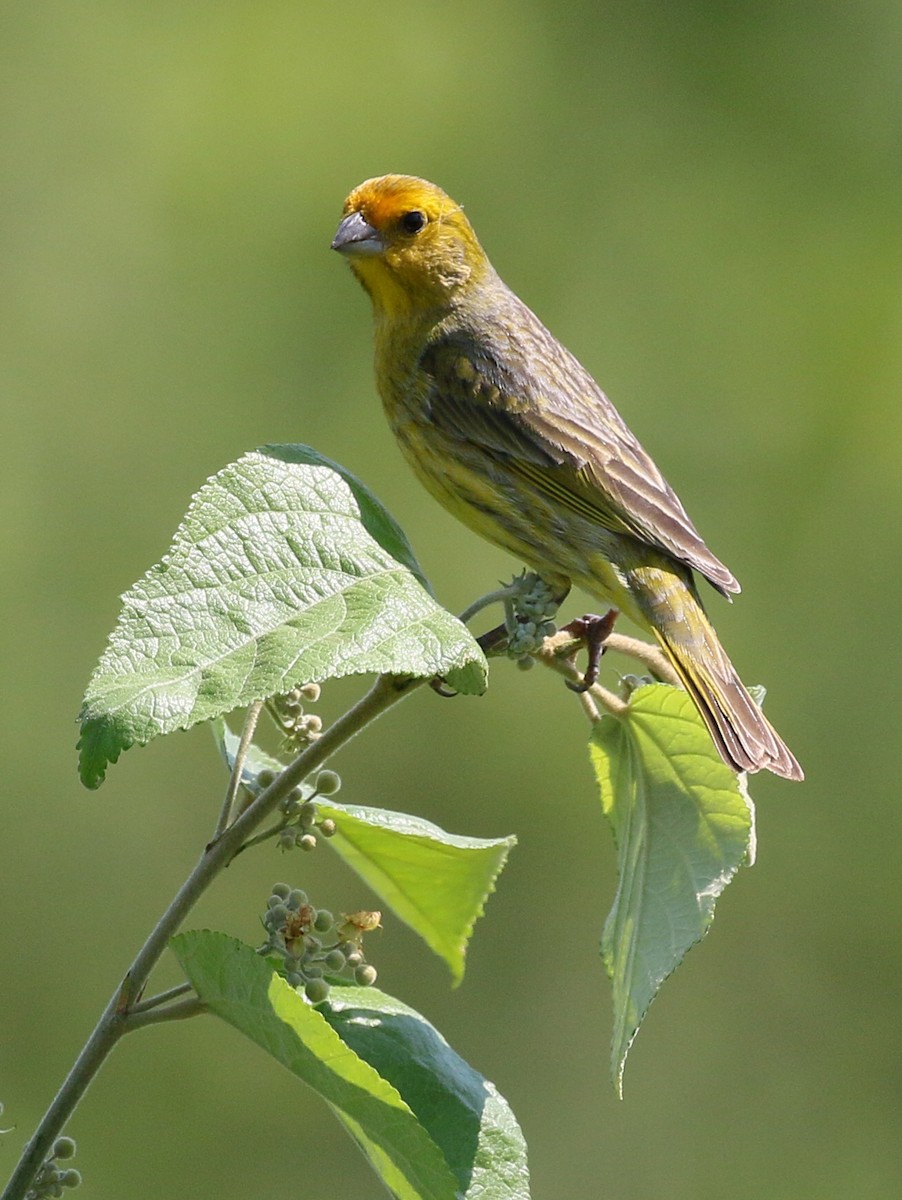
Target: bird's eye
<point x="413" y="222"/>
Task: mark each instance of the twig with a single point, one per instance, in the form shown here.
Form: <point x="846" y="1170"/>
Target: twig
<point x="496" y="597"/>
<point x="247" y="734"/>
<point x="181" y="1011"/>
<point x="557" y="653"/>
<point x="161" y="998"/>
<point x="264" y="836"/>
<point x="647" y="654"/>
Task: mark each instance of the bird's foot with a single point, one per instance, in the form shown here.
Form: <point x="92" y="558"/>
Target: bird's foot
<point x="593" y="630"/>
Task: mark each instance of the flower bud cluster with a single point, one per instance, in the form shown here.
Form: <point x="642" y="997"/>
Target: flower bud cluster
<point x="301" y="818"/>
<point x="630" y="683"/>
<point x="310" y="948"/>
<point x="52" y="1179"/>
<point x="530" y="616"/>
<point x="298" y="727"/>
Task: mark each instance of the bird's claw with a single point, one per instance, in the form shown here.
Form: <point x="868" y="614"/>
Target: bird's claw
<point x="593" y="630"/>
<point x="440" y="688"/>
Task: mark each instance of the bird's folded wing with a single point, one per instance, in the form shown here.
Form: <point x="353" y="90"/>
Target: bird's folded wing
<point x="570" y="446"/>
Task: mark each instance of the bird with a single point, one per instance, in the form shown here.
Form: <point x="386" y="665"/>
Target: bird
<point x="514" y="437"/>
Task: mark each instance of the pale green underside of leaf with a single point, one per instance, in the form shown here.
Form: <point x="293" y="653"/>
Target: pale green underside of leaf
<point x="683" y="823"/>
<point x="436" y="882"/>
<point x="285" y="571"/>
<point x="432" y="1127"/>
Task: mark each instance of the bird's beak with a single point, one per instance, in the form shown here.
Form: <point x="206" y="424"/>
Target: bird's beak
<point x="355" y="236"/>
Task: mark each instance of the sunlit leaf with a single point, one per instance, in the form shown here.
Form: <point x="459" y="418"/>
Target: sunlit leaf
<point x="464" y="1113"/>
<point x="431" y="1126"/>
<point x="683" y="823"/>
<point x="436" y="882"/>
<point x="285" y="571"/>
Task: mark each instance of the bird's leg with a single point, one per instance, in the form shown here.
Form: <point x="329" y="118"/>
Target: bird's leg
<point x="594" y="631"/>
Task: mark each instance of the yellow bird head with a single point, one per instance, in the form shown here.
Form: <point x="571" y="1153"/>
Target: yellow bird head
<point x="408" y="243"/>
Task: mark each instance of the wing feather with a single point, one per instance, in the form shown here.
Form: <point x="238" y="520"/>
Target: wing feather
<point x="498" y="395"/>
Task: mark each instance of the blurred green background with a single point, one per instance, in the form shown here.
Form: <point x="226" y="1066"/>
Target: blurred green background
<point x="703" y="201"/>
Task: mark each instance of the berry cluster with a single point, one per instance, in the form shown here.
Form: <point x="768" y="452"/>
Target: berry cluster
<point x="312" y="949"/>
<point x="298" y="728"/>
<point x="529" y="616"/>
<point x="300" y="815"/>
<point x="52" y="1179"/>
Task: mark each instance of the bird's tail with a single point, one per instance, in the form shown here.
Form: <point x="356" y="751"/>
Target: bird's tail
<point x="743" y="735"/>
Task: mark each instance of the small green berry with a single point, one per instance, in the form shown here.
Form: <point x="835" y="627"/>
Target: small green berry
<point x="294" y="797"/>
<point x="64" y="1147"/>
<point x="276" y="916"/>
<point x="265" y="778"/>
<point x="295" y="978"/>
<point x="307" y="816"/>
<point x="313" y="970"/>
<point x="324" y="920"/>
<point x="282" y="890"/>
<point x="327" y="827"/>
<point x="526" y="663"/>
<point x="307" y="842"/>
<point x="311" y="692"/>
<point x="365" y="975"/>
<point x="354" y="958"/>
<point x="328" y="783"/>
<point x="334" y="961"/>
<point x="70" y="1178"/>
<point x="287" y="839"/>
<point x="317" y="990"/>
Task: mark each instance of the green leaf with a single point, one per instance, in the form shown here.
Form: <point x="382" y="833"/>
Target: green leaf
<point x="436" y="882"/>
<point x="465" y="1115"/>
<point x="285" y="571"/>
<point x="243" y="989"/>
<point x="449" y="1137"/>
<point x="683" y="822"/>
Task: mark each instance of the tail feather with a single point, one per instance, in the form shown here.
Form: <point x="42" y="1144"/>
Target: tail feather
<point x="743" y="735"/>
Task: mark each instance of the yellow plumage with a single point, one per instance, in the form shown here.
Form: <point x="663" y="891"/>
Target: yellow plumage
<point x="510" y="433"/>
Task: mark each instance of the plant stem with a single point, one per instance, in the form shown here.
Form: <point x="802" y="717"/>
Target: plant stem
<point x="118" y="1016"/>
<point x="649" y="655"/>
<point x="264" y="836"/>
<point x="247" y="734"/>
<point x="180" y="1011"/>
<point x="557" y="651"/>
<point x="172" y="993"/>
<point x="495" y="597"/>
